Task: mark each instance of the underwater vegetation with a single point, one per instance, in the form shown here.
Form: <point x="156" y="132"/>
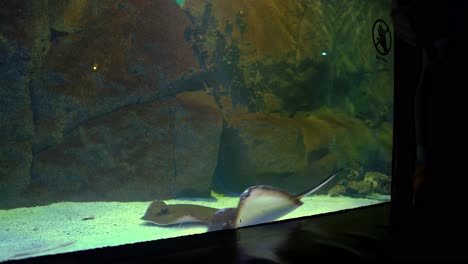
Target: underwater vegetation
<point x="137" y="100"/>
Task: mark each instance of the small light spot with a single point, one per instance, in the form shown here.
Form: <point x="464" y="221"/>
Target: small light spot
<point x="95" y="67"/>
<point x="324" y="53"/>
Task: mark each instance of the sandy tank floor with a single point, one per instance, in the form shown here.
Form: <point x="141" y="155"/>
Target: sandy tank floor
<point x="73" y="226"/>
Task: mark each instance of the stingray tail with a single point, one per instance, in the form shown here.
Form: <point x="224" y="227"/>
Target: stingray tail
<point x="320" y="185"/>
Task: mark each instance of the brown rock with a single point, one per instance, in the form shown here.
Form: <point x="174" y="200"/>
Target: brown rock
<point x="337" y="190"/>
<point x="262" y="149"/>
<point x="358" y="187"/>
<point x="296" y="153"/>
<point x="156" y="150"/>
<point x="108" y="55"/>
<point x="380" y="183"/>
<point x="23" y="42"/>
<point x="15" y="162"/>
<point x="197" y="135"/>
<point x="334" y="140"/>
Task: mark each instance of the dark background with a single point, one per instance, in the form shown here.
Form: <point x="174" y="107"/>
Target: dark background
<point x="430" y="83"/>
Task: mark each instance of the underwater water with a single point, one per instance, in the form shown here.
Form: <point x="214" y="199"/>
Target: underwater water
<point x="128" y="121"/>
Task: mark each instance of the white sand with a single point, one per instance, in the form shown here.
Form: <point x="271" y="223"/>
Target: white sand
<point x="59" y="227"/>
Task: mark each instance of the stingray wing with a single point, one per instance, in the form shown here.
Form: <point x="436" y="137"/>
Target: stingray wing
<point x="262" y="204"/>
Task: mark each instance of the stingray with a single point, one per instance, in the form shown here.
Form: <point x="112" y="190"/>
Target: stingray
<point x="160" y="213"/>
<point x="261" y="204"/>
<point x="257" y="204"/>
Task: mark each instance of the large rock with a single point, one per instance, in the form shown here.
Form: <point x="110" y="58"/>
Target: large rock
<point x="372" y="183"/>
<point x="197" y="136"/>
<point x="297" y="153"/>
<point x="105" y="55"/>
<point x="23" y="42"/>
<point x="157" y="150"/>
<point x="15" y="163"/>
<point x="262" y="149"/>
<point x="16" y="117"/>
<point x="335" y="140"/>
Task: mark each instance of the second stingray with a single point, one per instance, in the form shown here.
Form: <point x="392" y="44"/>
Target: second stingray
<point x="162" y="214"/>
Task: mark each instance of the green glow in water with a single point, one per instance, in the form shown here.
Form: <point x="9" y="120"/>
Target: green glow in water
<point x="180" y="2"/>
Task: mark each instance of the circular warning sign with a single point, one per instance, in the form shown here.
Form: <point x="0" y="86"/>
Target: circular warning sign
<point x="382" y="37"/>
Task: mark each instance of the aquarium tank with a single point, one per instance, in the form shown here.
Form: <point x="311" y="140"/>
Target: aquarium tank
<point x="141" y="120"/>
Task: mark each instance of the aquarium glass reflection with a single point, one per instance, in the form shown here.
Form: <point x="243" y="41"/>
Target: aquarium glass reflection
<point x="129" y="121"/>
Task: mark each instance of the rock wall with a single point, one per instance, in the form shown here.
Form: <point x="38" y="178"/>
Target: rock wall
<point x="72" y="72"/>
<point x="23" y="43"/>
<point x="297" y="153"/>
<point x="156" y="150"/>
<point x="146" y="99"/>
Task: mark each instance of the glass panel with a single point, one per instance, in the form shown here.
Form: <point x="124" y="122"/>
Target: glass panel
<point x="128" y="121"/>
